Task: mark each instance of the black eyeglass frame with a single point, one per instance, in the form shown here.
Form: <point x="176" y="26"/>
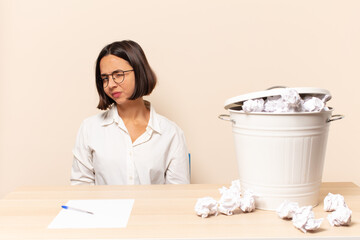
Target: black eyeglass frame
<point x="105" y="77"/>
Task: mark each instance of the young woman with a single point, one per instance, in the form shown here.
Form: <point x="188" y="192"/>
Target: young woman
<point x="129" y="143"/>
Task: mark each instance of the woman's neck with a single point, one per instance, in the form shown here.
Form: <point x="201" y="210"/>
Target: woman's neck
<point x="133" y="110"/>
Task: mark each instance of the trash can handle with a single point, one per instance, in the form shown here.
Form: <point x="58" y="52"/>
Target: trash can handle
<point x="273" y="87"/>
<point x="226" y="117"/>
<point x="335" y="117"/>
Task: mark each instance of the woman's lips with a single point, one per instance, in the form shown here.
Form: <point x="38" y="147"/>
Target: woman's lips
<point x="116" y="94"/>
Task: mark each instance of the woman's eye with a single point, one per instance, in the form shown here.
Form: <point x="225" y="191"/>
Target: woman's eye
<point x="119" y="75"/>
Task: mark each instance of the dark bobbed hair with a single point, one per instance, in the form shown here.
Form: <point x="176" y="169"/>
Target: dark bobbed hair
<point x="145" y="78"/>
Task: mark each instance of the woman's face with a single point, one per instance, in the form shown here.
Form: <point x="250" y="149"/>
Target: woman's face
<point x="122" y="91"/>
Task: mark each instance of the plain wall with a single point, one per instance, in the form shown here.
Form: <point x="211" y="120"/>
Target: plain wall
<point x="203" y="51"/>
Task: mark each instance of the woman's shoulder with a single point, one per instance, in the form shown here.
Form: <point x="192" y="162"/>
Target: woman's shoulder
<point x="98" y="119"/>
<point x="167" y="125"/>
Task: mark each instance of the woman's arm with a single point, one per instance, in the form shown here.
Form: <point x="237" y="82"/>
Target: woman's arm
<point x="82" y="171"/>
<point x="178" y="169"/>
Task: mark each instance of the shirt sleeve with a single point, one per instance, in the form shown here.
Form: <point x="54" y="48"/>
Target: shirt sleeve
<point x="178" y="169"/>
<point x="82" y="171"/>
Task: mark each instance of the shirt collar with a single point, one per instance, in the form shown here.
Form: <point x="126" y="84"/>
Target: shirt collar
<point x="112" y="116"/>
<point x="108" y="117"/>
<point x="154" y="122"/>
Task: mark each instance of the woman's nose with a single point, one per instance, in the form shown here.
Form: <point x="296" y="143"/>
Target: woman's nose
<point x="112" y="83"/>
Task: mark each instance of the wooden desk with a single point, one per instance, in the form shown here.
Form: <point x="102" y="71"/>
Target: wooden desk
<point x="162" y="212"/>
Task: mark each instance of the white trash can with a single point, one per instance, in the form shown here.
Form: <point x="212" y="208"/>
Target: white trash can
<point x="280" y="155"/>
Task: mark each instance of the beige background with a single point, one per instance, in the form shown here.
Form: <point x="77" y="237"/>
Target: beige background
<point x="203" y="52"/>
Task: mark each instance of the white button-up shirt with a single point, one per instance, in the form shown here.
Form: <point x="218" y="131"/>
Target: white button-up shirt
<point x="105" y="155"/>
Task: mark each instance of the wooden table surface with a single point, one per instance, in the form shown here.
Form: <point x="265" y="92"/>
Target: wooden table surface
<point x="162" y="212"/>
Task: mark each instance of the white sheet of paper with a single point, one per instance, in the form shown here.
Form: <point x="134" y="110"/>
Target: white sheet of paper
<point x="108" y="213"/>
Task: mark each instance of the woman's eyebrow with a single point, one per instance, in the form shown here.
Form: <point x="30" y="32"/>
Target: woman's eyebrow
<point x="104" y="74"/>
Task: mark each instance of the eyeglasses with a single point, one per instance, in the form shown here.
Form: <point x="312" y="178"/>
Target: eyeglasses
<point x="118" y="76"/>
